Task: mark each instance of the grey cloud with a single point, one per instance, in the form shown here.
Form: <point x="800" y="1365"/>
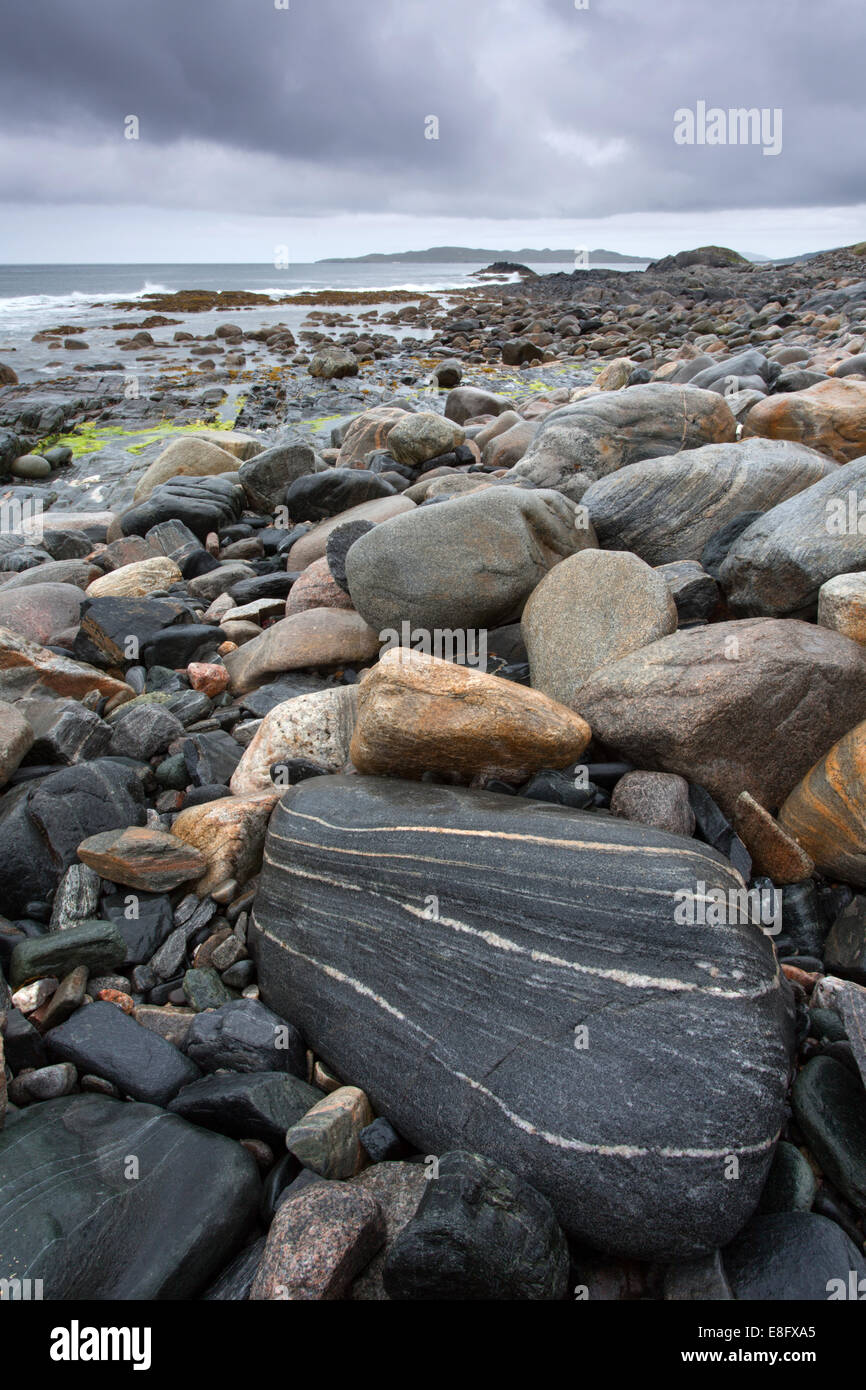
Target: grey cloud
<point x="544" y="110"/>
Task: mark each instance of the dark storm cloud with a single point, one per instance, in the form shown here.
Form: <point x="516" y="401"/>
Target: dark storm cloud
<point x="545" y="110"/>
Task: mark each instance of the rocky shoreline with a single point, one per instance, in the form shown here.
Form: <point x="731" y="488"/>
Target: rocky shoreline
<point x="433" y="794"/>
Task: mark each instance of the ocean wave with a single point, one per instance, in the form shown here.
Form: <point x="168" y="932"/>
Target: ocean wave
<point x="72" y="299"/>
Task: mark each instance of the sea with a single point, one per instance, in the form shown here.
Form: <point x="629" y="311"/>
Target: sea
<point x="38" y="297"/>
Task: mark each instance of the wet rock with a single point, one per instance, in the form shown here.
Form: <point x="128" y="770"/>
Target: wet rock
<point x="72" y="1217"/>
<point x="479" y="1232"/>
<point x="830" y="1108"/>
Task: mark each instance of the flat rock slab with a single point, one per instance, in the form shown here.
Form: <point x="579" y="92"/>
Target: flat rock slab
<point x="138" y="857"/>
<point x="72" y="1214"/>
<point x="253" y="1105"/>
<point x="102" y="1040"/>
<point x="444" y="950"/>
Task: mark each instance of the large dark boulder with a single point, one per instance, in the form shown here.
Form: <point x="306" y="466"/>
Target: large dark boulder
<point x="43" y="823"/>
<point x="522" y="980"/>
<point x="202" y="504"/>
<point x="102" y="1199"/>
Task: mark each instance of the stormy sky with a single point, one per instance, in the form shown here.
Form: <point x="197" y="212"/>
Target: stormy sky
<point x="305" y="123"/>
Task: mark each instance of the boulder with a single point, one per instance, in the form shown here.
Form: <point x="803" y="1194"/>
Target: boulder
<point x="667" y="509"/>
<point x="317" y="496"/>
<point x="44" y="822"/>
<point x="591" y="609"/>
<point x="72" y="1217"/>
<point x="247" y="1105"/>
<point x="778" y="565"/>
<point x="201" y="504"/>
<point x="41" y="612"/>
<point x="316" y="727"/>
<point x="465" y="402"/>
<point x="417" y="714"/>
<point x="660" y="799"/>
<point x="736" y="706"/>
<point x="334" y="363"/>
<point x="830" y="416"/>
<point x="318" y="1242"/>
<point x="317" y="637"/>
<point x="102" y="1040"/>
<point x="842" y="605"/>
<point x="245" y="1036"/>
<point x="313" y="545"/>
<point x="588" y="439"/>
<point x="418" y="438"/>
<point x="316" y="588"/>
<point x="826" y="812"/>
<point x="367" y="432"/>
<point x="27" y="668"/>
<point x="76" y="573"/>
<point x="772" y="850"/>
<point x="531" y="934"/>
<point x="793" y="1255"/>
<point x="185" y="457"/>
<point x="471" y="562"/>
<point x="266" y="477"/>
<point x="479" y="1232"/>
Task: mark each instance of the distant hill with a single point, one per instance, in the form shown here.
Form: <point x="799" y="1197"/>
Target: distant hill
<point x="438" y="255"/>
